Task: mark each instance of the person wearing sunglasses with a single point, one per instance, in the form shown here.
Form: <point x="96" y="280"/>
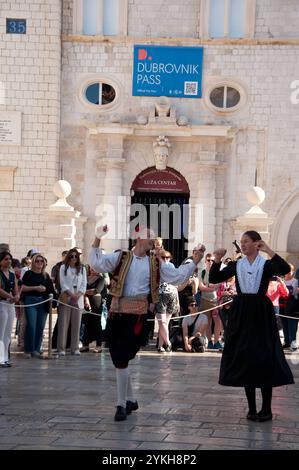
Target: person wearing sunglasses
<point x="36" y="287"/>
<point x="55" y="271"/>
<point x="168" y="305"/>
<point x="209" y="300"/>
<point x="194" y="329"/>
<point x="73" y="282"/>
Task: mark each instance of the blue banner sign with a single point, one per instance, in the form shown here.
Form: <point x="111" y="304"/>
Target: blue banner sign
<point x="167" y="71"/>
<point x="15" y="26"/>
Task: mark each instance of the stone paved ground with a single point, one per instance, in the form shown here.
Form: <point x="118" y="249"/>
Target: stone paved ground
<point x="68" y="403"/>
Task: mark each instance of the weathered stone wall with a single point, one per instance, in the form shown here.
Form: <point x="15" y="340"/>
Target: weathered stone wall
<point x="30" y="76"/>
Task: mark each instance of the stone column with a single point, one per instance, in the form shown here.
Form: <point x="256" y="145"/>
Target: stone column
<point x="112" y="210"/>
<point x="219" y="195"/>
<point x="206" y="196"/>
<point x="64" y="226"/>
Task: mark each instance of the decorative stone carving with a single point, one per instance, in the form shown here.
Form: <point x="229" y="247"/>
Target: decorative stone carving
<point x="162" y="107"/>
<point x="255" y="196"/>
<point x="255" y="218"/>
<point x="115" y="118"/>
<point x="182" y="121"/>
<point x="161" y="147"/>
<point x="142" y="119"/>
<point x="62" y="189"/>
<point x="64" y="225"/>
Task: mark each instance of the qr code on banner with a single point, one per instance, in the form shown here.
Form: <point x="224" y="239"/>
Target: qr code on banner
<point x="190" y="88"/>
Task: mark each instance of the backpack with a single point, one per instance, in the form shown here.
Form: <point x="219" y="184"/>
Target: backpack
<point x="198" y="344"/>
<point x="176" y="338"/>
<point x="55" y="275"/>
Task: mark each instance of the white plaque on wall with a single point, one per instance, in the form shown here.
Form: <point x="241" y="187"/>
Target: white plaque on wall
<point x="10" y="128"/>
<point x="6" y="178"/>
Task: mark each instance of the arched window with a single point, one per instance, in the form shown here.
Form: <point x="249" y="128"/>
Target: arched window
<point x="225" y="95"/>
<point x="100" y="93"/>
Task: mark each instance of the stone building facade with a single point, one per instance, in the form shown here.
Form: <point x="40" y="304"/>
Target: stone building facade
<point x="101" y="149"/>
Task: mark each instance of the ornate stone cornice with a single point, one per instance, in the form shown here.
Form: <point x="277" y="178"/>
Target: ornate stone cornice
<point x="182" y="41"/>
<point x="153" y="129"/>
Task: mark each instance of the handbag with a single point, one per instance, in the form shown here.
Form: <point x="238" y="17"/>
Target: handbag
<point x="176" y="338"/>
<point x="64" y="298"/>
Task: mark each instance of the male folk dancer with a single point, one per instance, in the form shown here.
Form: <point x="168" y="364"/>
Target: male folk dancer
<point x="135" y="283"/>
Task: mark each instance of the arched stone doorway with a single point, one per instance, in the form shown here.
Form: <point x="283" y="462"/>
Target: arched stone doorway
<point x="163" y="198"/>
<point x="293" y="241"/>
<point x="285" y="238"/>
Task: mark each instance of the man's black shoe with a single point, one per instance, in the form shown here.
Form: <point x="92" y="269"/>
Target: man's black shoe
<point x="120" y="414"/>
<point x="131" y="406"/>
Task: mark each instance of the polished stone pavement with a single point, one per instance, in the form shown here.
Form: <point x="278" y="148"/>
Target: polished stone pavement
<point x="68" y="403"/>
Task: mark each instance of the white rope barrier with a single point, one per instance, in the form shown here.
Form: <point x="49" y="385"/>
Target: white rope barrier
<point x="45" y="301"/>
<point x="58" y="302"/>
<point x="23" y="305"/>
<point x="285" y="316"/>
<point x="84" y="312"/>
<point x="197" y="313"/>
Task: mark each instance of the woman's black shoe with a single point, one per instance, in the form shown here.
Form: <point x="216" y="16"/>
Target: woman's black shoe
<point x="120" y="414"/>
<point x="252" y="416"/>
<point x="264" y="417"/>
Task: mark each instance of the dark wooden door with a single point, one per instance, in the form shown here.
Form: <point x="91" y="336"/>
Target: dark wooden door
<point x="171" y="225"/>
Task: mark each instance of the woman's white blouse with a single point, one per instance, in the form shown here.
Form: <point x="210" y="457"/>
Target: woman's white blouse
<point x="71" y="279"/>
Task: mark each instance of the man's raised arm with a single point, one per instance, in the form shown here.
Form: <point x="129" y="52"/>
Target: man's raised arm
<point x="100" y="262"/>
<point x="181" y="274"/>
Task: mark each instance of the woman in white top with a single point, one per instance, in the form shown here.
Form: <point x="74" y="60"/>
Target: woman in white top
<point x="73" y="283"/>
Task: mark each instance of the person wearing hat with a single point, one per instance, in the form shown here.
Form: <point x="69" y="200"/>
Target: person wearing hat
<point x="134" y="284"/>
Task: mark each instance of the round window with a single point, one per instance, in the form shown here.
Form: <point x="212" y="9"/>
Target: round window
<point x="100" y="93"/>
<point x="225" y="97"/>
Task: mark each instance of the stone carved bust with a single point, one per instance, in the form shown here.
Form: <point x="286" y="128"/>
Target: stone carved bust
<point x="161" y="147"/>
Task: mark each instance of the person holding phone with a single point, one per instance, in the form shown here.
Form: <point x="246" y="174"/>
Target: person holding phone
<point x="253" y="356"/>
